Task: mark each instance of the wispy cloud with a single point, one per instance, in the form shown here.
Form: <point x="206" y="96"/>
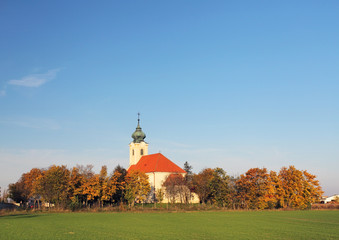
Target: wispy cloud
<point x="35" y="80"/>
<point x="3" y="90"/>
<point x="2" y="93"/>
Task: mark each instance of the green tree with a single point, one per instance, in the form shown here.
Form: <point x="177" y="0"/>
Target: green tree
<point x="188" y="168"/>
<point x="16" y="191"/>
<point x="188" y="181"/>
<point x="219" y="188"/>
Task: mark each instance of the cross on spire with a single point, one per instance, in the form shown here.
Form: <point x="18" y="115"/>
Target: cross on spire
<point x="138" y="118"/>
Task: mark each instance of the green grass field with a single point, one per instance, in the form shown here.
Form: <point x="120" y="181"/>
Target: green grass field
<point x="178" y="225"/>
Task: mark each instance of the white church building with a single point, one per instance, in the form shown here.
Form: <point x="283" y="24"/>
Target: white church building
<point x="156" y="166"/>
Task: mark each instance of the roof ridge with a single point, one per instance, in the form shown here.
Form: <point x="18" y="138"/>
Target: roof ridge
<point x="153" y="154"/>
<point x="157" y="163"/>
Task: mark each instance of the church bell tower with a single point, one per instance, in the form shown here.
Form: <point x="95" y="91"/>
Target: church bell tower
<point x="138" y="147"/>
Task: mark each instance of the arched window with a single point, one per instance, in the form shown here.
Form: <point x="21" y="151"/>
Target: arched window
<point x="142" y="152"/>
<point x="133" y="152"/>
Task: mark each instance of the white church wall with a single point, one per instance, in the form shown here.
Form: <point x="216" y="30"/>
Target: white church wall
<point x="157" y="179"/>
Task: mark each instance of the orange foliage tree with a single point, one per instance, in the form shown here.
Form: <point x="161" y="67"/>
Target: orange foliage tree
<point x="299" y="188"/>
<point x="23" y="189"/>
<point x="256" y="189"/>
<point x="30" y="180"/>
<point x="201" y="184"/>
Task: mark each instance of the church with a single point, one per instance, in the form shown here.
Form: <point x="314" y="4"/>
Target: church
<point x="156" y="166"/>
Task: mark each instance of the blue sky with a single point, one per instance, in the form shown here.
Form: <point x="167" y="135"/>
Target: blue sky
<point x="233" y="84"/>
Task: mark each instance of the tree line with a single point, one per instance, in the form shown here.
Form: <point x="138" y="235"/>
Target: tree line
<point x="81" y="187"/>
<point x="258" y="188"/>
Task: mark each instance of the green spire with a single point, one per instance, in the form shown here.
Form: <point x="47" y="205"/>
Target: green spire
<point x="138" y="136"/>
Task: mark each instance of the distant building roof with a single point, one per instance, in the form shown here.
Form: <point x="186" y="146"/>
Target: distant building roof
<point x="156" y="163"/>
<point x="329" y="199"/>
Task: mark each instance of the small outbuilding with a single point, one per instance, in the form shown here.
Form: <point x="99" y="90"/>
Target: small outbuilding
<point x="330" y="199"/>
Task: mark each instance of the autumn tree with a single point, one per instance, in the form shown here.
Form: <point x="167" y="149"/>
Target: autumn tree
<point x="257" y="189"/>
<point x="30" y="181"/>
<point x="232" y="186"/>
<point x="23" y="189"/>
<point x="100" y="188"/>
<point x="52" y="184"/>
<point x="213" y="186"/>
<point x="201" y="184"/>
<point x="103" y="193"/>
<point x="92" y="189"/>
<point x="80" y="181"/>
<point x="274" y="191"/>
<point x="312" y="188"/>
<point x="76" y="188"/>
<point x="136" y="187"/>
<point x="175" y="188"/>
<point x="119" y="173"/>
<point x="108" y="185"/>
<point x="299" y="188"/>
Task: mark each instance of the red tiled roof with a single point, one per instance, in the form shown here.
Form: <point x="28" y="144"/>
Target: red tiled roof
<point x="156" y="163"/>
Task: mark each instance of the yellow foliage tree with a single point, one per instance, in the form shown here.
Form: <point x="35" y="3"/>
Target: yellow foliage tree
<point x="52" y="184"/>
<point x="137" y="187"/>
<point x="299" y="188"/>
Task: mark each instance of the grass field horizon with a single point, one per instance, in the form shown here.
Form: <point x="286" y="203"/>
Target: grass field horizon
<point x="312" y="224"/>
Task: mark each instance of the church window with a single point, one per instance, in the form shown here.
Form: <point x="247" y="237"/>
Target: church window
<point x="133" y="152"/>
<point x="142" y="152"/>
